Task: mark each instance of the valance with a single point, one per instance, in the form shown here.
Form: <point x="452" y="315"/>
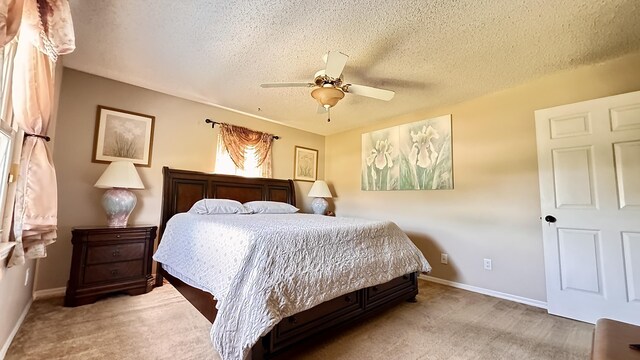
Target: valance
<point x="236" y="139"/>
<point x="48" y="26"/>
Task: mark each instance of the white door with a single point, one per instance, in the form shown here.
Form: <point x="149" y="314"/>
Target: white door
<point x="589" y="167"/>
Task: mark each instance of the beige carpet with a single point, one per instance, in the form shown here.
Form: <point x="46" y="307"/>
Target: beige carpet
<point x="446" y="323"/>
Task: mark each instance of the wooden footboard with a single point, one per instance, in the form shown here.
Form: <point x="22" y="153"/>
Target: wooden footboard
<point x="342" y="311"/>
<point x="295" y="330"/>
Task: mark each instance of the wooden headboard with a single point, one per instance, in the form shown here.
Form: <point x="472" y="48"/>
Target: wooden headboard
<point x="184" y="188"/>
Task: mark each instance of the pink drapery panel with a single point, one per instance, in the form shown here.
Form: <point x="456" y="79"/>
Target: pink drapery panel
<point x="45" y="33"/>
<point x="10" y="18"/>
<point x="237" y="138"/>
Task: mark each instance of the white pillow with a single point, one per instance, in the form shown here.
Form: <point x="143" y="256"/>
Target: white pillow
<point x="270" y="207"/>
<point x="218" y="206"/>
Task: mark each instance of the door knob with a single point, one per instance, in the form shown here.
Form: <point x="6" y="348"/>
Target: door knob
<point x="550" y="219"/>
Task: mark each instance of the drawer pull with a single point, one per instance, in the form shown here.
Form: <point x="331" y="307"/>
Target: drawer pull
<point x="118" y="236"/>
<point x="114" y="272"/>
<point x="116" y="253"/>
<point x="293" y="320"/>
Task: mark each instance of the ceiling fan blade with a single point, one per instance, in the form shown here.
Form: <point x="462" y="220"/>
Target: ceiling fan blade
<point x="369" y="91"/>
<point x="278" y="85"/>
<point x="335" y="64"/>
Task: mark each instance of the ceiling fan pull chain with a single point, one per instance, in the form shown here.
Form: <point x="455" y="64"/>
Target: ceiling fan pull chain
<point x="328" y="114"/>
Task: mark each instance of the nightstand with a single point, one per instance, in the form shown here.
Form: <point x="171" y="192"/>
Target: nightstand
<point x="107" y="260"/>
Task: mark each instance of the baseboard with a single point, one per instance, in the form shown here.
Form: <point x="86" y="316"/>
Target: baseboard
<point x="49" y="293"/>
<point x="7" y="343"/>
<point x="498" y="294"/>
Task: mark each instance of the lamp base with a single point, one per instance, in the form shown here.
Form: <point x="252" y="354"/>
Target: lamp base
<point x="118" y="204"/>
<point x="319" y="206"/>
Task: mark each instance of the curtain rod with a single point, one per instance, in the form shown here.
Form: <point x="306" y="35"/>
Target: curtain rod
<point x="213" y="124"/>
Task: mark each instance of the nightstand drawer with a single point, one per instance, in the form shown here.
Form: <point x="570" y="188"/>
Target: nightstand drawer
<point x="117" y="236"/>
<point x="113" y="271"/>
<point x="114" y="253"/>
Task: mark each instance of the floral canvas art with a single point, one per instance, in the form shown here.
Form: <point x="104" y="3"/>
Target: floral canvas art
<point x="425" y="154"/>
<point x="415" y="156"/>
<point x="380" y="168"/>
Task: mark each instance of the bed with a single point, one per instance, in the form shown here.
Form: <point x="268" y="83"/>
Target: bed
<point x="182" y="189"/>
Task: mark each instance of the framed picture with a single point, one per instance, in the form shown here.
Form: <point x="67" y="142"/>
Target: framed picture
<point x="305" y="164"/>
<point x="123" y="135"/>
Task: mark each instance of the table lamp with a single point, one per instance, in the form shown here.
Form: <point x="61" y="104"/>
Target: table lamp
<point x="319" y="191"/>
<point x="118" y="201"/>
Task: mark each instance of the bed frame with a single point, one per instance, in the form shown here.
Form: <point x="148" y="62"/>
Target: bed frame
<point x="183" y="188"/>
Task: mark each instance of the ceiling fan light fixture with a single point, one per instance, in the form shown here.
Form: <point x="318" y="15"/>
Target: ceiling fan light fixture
<point x="329" y="86"/>
<point x="327" y="96"/>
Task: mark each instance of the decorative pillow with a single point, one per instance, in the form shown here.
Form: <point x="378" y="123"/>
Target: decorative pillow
<point x="270" y="207"/>
<point x="218" y="206"/>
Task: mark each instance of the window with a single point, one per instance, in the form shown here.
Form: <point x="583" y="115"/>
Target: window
<point x="8" y="137"/>
<point x="243" y="151"/>
<point x="224" y="164"/>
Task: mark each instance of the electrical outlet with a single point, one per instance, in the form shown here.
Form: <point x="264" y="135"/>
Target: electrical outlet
<point x="487" y="264"/>
<point x="444" y="258"/>
<point x="26" y="277"/>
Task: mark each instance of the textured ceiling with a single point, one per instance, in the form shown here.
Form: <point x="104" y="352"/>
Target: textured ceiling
<point x="429" y="52"/>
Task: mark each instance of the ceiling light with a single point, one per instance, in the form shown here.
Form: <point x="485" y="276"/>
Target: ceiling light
<point x="327" y="96"/>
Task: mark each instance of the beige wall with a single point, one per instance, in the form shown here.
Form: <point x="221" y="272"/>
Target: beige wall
<point x="494" y="210"/>
<point x="181" y="140"/>
<point x="14" y="297"/>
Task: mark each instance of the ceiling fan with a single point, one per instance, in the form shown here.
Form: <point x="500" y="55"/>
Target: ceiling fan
<point x="329" y="86"/>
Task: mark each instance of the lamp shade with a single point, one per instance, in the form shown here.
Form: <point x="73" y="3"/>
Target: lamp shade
<point x="327" y="96"/>
<point x="120" y="174"/>
<point x="320" y="190"/>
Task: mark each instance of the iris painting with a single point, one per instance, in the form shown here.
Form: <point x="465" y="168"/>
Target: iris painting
<point x="380" y="167"/>
<point x="414" y="156"/>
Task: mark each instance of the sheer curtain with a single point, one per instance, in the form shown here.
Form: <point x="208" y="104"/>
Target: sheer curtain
<point x="7" y="118"/>
<point x="10" y="20"/>
<point x="244" y="152"/>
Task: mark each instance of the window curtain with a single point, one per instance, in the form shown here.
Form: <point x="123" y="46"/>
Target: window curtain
<point x="45" y="33"/>
<point x="10" y="18"/>
<point x="247" y="149"/>
<point x="8" y="53"/>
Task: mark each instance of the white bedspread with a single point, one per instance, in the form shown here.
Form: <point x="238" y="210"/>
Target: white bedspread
<point x="263" y="268"/>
